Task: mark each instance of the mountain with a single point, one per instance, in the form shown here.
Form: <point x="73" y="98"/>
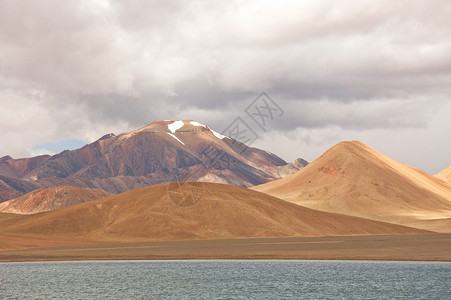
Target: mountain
<point x="11" y="187"/>
<point x="163" y="151"/>
<point x="445" y="175"/>
<point x="354" y="179"/>
<point x="17" y="168"/>
<point x="53" y="198"/>
<point x="222" y="211"/>
<point x="293" y="167"/>
<point x="11" y="172"/>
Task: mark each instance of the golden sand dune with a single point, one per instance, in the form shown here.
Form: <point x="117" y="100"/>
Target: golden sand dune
<point x="223" y="211"/>
<point x="42" y="200"/>
<point x="354" y="179"/>
<point x="445" y="175"/>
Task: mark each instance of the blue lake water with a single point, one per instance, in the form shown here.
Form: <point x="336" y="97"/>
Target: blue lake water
<point x="225" y="280"/>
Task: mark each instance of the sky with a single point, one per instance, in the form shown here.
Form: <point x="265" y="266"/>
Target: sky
<point x="374" y="71"/>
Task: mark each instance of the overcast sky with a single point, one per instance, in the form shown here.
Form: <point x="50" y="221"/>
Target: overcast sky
<point x="375" y="71"/>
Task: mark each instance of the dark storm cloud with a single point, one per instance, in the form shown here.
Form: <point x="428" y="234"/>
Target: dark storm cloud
<point x="79" y="69"/>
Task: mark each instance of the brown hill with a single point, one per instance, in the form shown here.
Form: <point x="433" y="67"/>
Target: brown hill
<point x="49" y="199"/>
<point x="223" y="211"/>
<point x="445" y="175"/>
<point x="354" y="179"/>
<point x="163" y="151"/>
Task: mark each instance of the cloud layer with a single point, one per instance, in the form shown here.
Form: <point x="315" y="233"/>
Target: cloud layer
<point x="378" y="71"/>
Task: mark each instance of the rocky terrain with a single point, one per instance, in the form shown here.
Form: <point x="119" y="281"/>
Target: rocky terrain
<point x="42" y="200"/>
<point x="163" y="151"/>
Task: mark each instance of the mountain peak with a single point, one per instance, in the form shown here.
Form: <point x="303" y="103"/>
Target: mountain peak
<point x="352" y="178"/>
<point x="350" y="145"/>
<point x="347" y="149"/>
<point x="174" y="126"/>
<point x="107" y="136"/>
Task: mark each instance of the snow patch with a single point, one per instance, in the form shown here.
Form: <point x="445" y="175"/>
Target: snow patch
<point x="176" y="138"/>
<point x="197" y="124"/>
<point x="175" y="125"/>
<point x="218" y="135"/>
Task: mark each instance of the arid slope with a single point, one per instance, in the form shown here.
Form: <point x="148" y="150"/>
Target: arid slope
<point x="352" y="178"/>
<point x="223" y="211"/>
<point x="445" y="175"/>
<point x="49" y="199"/>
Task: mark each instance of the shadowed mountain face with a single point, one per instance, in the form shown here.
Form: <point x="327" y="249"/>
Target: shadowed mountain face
<point x="223" y="211"/>
<point x="354" y="179"/>
<point x="49" y="199"/>
<point x="163" y="151"/>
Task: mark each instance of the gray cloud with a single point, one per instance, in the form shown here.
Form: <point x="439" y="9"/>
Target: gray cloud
<point x="79" y="69"/>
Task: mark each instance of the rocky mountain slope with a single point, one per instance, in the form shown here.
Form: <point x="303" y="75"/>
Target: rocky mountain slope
<point x="163" y="151"/>
<point x="49" y="199"/>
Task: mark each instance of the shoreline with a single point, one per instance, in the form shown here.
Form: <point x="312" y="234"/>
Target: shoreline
<point x="225" y="259"/>
<point x="414" y="248"/>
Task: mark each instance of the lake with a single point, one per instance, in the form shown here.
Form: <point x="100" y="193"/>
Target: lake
<point x="223" y="279"/>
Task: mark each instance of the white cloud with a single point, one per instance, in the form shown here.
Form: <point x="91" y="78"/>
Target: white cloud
<point x="79" y="69"/>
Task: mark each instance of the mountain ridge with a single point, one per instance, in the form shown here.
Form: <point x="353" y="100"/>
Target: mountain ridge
<point x="162" y="151"/>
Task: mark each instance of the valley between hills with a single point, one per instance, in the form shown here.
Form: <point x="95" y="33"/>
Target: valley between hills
<point x="161" y="192"/>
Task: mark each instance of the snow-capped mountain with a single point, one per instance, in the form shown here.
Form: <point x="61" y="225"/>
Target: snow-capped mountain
<point x="163" y="151"/>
